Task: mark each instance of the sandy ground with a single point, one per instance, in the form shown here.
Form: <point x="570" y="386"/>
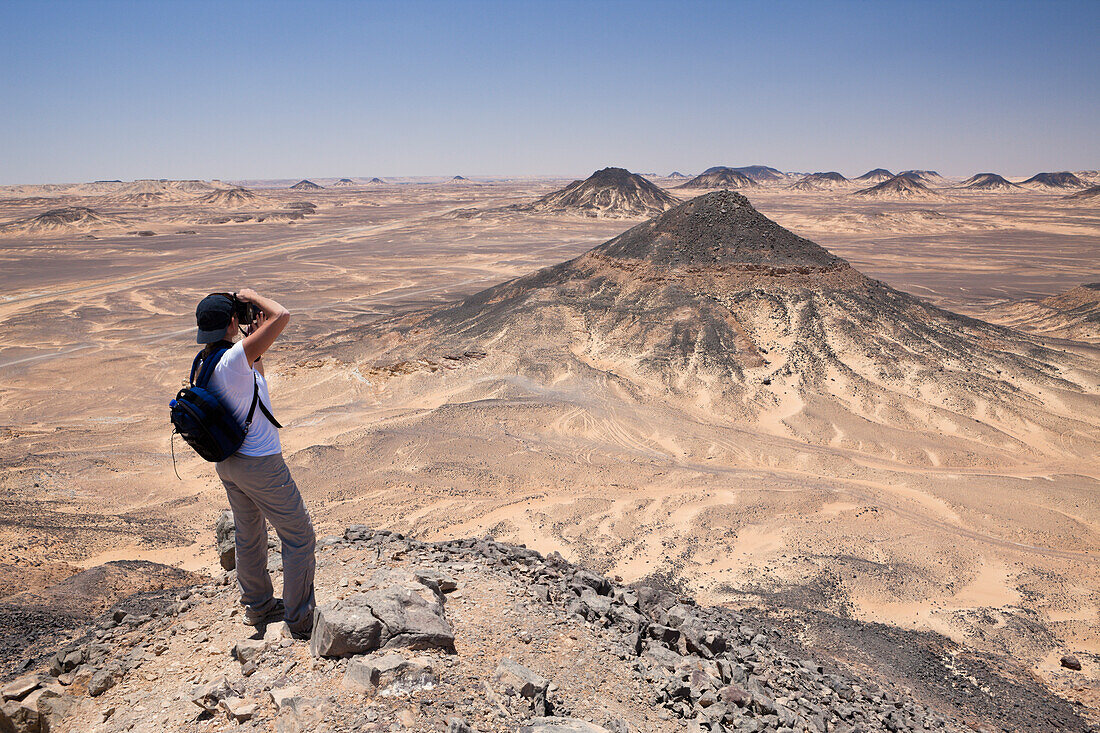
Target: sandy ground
<point x="994" y="549"/>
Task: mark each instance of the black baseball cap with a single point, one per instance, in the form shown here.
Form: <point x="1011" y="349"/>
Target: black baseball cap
<point x="213" y="315"/>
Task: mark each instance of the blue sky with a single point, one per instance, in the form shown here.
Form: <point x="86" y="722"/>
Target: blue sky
<point x="237" y="90"/>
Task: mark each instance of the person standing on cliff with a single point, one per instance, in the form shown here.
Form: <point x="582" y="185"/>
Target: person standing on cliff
<point x="257" y="480"/>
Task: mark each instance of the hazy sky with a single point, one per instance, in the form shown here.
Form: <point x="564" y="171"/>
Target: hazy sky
<point x="94" y="90"/>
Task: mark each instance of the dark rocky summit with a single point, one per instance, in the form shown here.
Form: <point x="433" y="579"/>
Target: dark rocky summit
<point x="305" y="185"/>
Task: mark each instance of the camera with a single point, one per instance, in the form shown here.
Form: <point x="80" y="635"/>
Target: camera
<point x="245" y="311"/>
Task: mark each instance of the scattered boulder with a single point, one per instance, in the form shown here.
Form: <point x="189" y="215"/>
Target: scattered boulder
<point x="391" y="674"/>
<point x="280" y="696"/>
<point x="390" y="617"/>
<point x="209" y="696"/>
<point x="238" y="709"/>
<point x="65" y="660"/>
<point x="249" y="650"/>
<point x="516" y="679"/>
<point x="20" y="687"/>
<point x="104" y="679"/>
<point x="1071" y="662"/>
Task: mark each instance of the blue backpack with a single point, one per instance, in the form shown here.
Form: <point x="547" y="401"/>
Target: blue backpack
<point x="203" y="421"/>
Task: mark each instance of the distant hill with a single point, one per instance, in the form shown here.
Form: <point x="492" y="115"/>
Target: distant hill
<point x="901" y="186"/>
<point x="676" y="174"/>
<point x="59" y="221"/>
<point x="989" y="182"/>
<point x="1088" y="194"/>
<point x="820" y="182"/>
<point x="305" y="185"/>
<point x="877" y="175"/>
<point x="229" y="197"/>
<point x="721" y="178"/>
<point x="1073" y="314"/>
<point x="1061" y="179"/>
<point x="923" y="176"/>
<point x="758" y="173"/>
<point x="376" y="180"/>
<point x="611" y="192"/>
<point x="344" y="183"/>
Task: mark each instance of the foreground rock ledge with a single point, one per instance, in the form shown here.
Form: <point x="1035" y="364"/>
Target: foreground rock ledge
<point x="526" y="643"/>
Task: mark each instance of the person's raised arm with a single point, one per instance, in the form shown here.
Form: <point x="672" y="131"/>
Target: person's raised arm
<point x="275" y="319"/>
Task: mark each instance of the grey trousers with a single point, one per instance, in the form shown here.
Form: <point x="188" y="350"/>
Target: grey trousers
<point x="261" y="488"/>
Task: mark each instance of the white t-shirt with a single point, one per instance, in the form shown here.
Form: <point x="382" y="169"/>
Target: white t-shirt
<point x="232" y="382"/>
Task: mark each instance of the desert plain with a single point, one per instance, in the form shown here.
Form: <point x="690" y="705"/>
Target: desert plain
<point x="953" y="493"/>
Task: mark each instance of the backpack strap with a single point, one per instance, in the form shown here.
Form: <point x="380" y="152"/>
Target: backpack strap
<point x="257" y="401"/>
<point x="195" y="367"/>
<point x="207" y="369"/>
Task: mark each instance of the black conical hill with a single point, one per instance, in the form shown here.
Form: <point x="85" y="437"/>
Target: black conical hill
<point x="719" y="228"/>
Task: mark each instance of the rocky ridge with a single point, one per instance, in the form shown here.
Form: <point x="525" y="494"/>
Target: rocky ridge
<point x="499" y="637"/>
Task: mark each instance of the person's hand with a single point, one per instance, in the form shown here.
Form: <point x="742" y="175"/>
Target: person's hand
<point x="257" y="321"/>
<point x="248" y="295"/>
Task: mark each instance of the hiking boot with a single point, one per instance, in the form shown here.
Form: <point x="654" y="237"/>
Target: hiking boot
<point x="270" y="616"/>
